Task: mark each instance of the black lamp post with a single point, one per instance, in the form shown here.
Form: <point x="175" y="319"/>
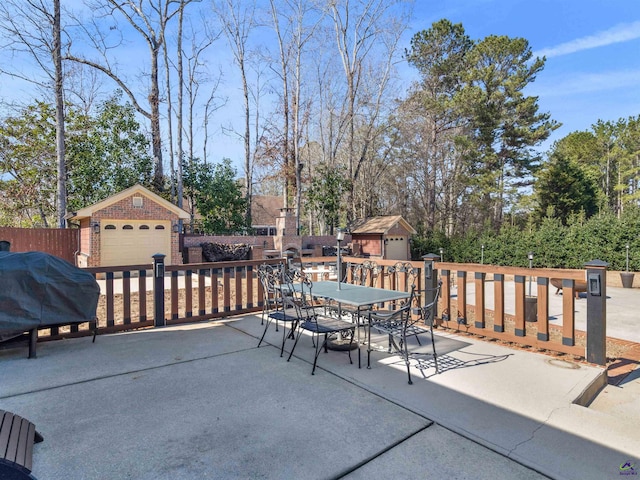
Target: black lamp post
<point x="627" y="257"/>
<point x="530" y="255"/>
<point x="482" y="254"/>
<point x="339" y="239"/>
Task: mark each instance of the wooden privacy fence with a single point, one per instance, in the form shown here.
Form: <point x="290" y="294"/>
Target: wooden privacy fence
<point x="61" y="242"/>
<point x="205" y="291"/>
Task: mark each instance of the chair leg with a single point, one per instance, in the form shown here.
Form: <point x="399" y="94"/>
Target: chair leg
<point x="369" y="345"/>
<point x="435" y="355"/>
<point x="264" y="332"/>
<point x="284" y="339"/>
<point x="294" y="344"/>
<point x="291" y="334"/>
<point x="405" y="354"/>
<point x="318" y="350"/>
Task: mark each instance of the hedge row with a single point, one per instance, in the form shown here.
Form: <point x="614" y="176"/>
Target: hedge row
<point x="602" y="237"/>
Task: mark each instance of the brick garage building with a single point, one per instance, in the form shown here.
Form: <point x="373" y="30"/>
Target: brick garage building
<point x="384" y="237"/>
<point x="128" y="228"/>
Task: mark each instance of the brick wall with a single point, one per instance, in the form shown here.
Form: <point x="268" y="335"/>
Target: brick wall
<point x="369" y="244"/>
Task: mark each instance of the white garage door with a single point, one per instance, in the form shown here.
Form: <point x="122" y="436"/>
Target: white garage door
<point x="133" y="242"/>
<point x="396" y="248"/>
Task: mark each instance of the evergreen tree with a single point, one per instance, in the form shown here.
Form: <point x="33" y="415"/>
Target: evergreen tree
<point x="564" y="189"/>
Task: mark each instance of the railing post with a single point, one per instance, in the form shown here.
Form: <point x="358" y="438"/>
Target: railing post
<point x="597" y="312"/>
<point x="479" y="309"/>
<point x="158" y="290"/>
<point x="462" y="297"/>
<point x="430" y="279"/>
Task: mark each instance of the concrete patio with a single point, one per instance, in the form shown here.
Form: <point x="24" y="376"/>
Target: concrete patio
<point x="202" y="401"/>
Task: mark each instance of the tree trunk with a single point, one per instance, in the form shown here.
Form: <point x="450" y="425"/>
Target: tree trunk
<point x="180" y="102"/>
<point x="60" y="142"/>
<point x="154" y="103"/>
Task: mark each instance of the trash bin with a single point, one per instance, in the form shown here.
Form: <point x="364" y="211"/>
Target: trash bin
<point x="531" y="309"/>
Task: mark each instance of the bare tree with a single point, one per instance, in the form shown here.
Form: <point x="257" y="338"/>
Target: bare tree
<point x="196" y="78"/>
<point x="83" y="86"/>
<point x="180" y="106"/>
<point x="149" y="19"/>
<point x="34" y="27"/>
<point x="61" y="169"/>
<point x="214" y="102"/>
<point x="237" y="23"/>
<point x="198" y="75"/>
<point x="168" y="88"/>
<point x="293" y="31"/>
<point x="364" y="30"/>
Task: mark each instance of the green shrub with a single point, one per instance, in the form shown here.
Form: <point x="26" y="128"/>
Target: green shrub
<point x="601" y="237"/>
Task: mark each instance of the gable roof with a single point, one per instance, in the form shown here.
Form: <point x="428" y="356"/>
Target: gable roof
<point x="136" y="189"/>
<point x="265" y="209"/>
<point x="382" y="224"/>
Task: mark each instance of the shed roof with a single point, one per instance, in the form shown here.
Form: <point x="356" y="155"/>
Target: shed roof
<point x="382" y="224"/>
<point x="136" y="189"/>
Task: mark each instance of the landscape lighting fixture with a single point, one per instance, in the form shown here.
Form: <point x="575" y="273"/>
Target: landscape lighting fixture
<point x="339" y="238"/>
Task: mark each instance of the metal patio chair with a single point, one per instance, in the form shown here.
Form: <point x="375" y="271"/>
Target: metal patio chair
<point x="401" y="270"/>
<point x="364" y="274"/>
<point x="299" y="296"/>
<point x="401" y="325"/>
<point x="273" y="310"/>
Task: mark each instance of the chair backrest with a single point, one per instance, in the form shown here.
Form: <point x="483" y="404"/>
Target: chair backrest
<point x="358" y="274"/>
<point x="270" y="277"/>
<point x="405" y="273"/>
<point x="405" y="310"/>
<point x="373" y="272"/>
<point x="427" y="313"/>
<point x="296" y="292"/>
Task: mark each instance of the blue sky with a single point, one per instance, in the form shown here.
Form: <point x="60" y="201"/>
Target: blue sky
<point x="592" y="48"/>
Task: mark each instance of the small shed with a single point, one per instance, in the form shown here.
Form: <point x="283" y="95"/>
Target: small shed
<point x="385" y="237"/>
<point x="128" y="228"/>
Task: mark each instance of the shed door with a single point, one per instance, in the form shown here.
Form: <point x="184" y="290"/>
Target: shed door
<point x="396" y="248"/>
<point x="133" y="242"/>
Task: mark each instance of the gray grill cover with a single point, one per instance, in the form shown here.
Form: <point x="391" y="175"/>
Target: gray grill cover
<point x="38" y="289"/>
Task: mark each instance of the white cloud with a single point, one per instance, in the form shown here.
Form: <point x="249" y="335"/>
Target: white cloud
<point x="620" y="33"/>
<point x="587" y="82"/>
